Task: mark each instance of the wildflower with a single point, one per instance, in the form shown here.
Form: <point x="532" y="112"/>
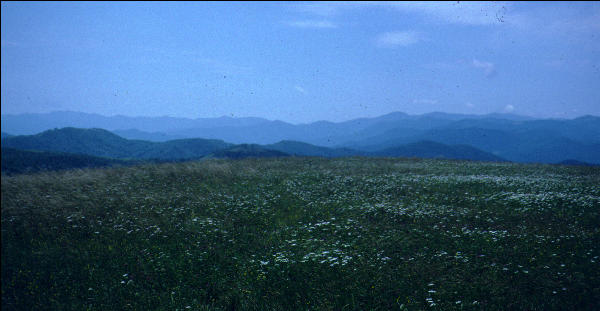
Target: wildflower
<point x="430" y="301"/>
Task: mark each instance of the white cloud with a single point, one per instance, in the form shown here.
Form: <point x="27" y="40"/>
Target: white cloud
<point x="551" y="18"/>
<point x="571" y="21"/>
<point x="300" y="89"/>
<point x="398" y="38"/>
<point x="489" y="69"/>
<point x="509" y="108"/>
<point x="424" y="101"/>
<point x="470" y="105"/>
<point x="320" y="8"/>
<point x="312" y="24"/>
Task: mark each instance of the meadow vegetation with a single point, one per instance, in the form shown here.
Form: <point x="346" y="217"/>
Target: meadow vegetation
<point x="303" y="234"/>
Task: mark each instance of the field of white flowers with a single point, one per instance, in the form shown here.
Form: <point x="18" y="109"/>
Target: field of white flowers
<point x="304" y="234"/>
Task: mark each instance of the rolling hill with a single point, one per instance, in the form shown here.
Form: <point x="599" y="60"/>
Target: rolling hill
<point x="505" y="136"/>
<point x="102" y="143"/>
<point x="298" y="148"/>
<point x="32" y="123"/>
<point x="247" y="151"/>
<point x="237" y="130"/>
<point x="99" y="142"/>
<point x="429" y="149"/>
<point x="148" y="136"/>
<point x="16" y="161"/>
<point x="543" y="141"/>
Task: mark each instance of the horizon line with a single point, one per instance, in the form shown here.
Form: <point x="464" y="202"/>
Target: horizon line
<point x="301" y="123"/>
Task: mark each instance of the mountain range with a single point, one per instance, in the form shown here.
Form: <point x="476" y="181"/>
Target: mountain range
<point x="102" y="143"/>
<point x="498" y="136"/>
<point x="78" y="148"/>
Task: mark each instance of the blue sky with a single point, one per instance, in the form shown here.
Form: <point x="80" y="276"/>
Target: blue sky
<point x="301" y="62"/>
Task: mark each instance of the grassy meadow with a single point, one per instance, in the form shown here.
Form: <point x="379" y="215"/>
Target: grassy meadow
<point x="303" y="234"/>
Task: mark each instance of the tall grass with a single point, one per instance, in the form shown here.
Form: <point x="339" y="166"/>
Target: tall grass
<point x="303" y="233"/>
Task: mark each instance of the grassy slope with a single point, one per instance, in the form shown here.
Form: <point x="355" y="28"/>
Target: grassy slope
<point x="247" y="151"/>
<point x="16" y="161"/>
<point x="298" y="233"/>
<point x="430" y="149"/>
<point x="298" y="148"/>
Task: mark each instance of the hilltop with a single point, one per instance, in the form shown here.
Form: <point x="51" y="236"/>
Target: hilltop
<point x="303" y="233"/>
<point x="100" y="142"/>
<point x="510" y="137"/>
<point x="72" y="143"/>
<point x="16" y="161"/>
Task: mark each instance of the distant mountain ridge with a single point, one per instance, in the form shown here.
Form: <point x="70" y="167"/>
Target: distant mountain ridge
<point x="149" y="136"/>
<point x="297" y="148"/>
<point x="102" y="143"/>
<point x="247" y="151"/>
<point x="430" y="149"/>
<point x="511" y="137"/>
<point x="33" y="123"/>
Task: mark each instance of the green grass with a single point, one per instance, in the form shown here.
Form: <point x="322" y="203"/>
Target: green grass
<point x="303" y="234"/>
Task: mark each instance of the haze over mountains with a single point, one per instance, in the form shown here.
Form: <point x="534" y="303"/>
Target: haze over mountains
<point x="493" y="137"/>
<point x="102" y="143"/>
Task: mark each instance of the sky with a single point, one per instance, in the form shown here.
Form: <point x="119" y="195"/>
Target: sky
<point x="301" y="62"/>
